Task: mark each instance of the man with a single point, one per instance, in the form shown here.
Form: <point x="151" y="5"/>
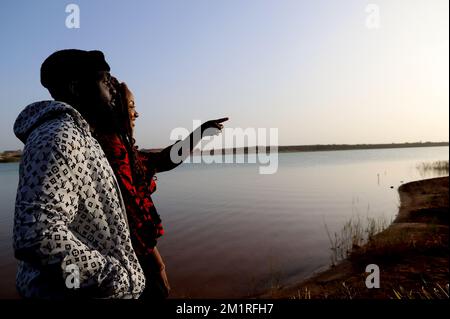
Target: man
<point x="71" y="234"/>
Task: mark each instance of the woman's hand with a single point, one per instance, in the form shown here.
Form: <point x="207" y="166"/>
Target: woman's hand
<point x="213" y="127"/>
<point x="158" y="270"/>
<point x="164" y="282"/>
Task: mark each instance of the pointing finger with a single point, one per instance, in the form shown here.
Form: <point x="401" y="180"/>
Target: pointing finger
<point x="223" y="119"/>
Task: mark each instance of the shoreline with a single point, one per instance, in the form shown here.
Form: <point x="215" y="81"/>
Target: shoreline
<point x="412" y="254"/>
<point x="14" y="156"/>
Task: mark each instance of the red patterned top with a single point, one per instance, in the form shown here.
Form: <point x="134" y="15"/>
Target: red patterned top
<point x="145" y="223"/>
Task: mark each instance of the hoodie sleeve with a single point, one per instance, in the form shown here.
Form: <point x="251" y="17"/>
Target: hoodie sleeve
<point x="46" y="203"/>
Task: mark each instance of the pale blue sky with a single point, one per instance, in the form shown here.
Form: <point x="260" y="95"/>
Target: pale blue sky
<point x="312" y="69"/>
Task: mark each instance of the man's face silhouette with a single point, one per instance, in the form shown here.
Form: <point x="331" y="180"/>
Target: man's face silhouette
<point x="97" y="95"/>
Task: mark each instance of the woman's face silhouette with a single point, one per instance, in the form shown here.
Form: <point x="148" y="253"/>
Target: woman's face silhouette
<point x="128" y="100"/>
<point x="132" y="110"/>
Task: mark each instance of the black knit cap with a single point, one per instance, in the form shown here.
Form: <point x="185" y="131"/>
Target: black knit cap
<point x="71" y="64"/>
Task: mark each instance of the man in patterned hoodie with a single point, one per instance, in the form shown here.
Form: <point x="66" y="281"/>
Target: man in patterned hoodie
<point x="71" y="234"/>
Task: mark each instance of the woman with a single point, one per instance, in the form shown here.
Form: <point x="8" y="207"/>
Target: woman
<point x="135" y="173"/>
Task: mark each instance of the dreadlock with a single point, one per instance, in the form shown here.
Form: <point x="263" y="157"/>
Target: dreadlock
<point x="126" y="131"/>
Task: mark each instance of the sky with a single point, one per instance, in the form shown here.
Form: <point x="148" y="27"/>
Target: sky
<point x="321" y="72"/>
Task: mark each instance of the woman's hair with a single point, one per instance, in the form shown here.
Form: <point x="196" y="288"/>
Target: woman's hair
<point x="124" y="97"/>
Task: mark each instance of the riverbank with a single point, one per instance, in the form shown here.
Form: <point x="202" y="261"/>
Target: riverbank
<point x="10" y="156"/>
<point x="14" y="156"/>
<point x="412" y="254"/>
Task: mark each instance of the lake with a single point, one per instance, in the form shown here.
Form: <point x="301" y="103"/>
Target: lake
<point x="232" y="232"/>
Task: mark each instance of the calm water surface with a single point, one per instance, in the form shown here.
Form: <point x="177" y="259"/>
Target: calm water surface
<point x="231" y="232"/>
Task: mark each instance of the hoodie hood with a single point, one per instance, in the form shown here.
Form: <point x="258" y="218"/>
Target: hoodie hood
<point x="38" y="113"/>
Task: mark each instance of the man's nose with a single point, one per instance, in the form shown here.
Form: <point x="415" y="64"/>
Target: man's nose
<point x="136" y="114"/>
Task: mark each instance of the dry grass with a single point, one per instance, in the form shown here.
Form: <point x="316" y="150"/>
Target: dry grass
<point x="434" y="292"/>
<point x="426" y="168"/>
<point x="354" y="234"/>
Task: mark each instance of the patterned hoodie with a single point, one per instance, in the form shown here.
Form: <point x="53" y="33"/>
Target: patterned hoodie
<point x="70" y="227"/>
